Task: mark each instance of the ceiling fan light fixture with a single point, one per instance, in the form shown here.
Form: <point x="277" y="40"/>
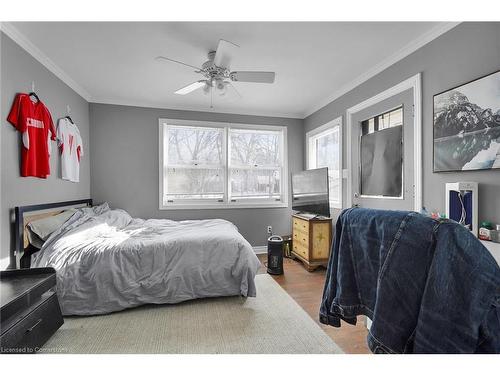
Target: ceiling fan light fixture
<point x="206" y="88"/>
<point x="221" y="87"/>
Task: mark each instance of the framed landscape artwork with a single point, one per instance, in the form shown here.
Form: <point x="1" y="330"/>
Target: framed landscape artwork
<point x="467" y="126"/>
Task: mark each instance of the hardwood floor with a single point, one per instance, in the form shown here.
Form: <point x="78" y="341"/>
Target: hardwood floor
<point x="306" y="288"/>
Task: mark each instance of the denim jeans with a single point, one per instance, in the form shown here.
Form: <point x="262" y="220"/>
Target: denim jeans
<point x="428" y="285"/>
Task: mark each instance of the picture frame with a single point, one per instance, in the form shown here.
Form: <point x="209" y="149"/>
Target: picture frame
<point x="466" y="126"/>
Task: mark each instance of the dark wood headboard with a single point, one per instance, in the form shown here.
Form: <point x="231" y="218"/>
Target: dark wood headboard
<point x="21" y="222"/>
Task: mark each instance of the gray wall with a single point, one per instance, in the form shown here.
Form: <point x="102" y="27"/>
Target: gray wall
<point x="124" y="165"/>
<point x="18" y="70"/>
<point x="466" y="52"/>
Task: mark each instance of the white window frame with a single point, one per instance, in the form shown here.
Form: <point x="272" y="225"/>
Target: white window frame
<point x="311" y="138"/>
<point x="227" y="201"/>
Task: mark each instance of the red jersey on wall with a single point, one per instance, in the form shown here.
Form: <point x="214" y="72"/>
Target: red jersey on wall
<point x="33" y="120"/>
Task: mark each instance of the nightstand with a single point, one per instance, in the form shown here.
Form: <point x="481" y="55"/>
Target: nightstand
<point x="312" y="239"/>
<point x="29" y="311"/>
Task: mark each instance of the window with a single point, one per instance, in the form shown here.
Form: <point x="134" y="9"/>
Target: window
<point x="255" y="164"/>
<point x="381" y="155"/>
<point x="218" y="165"/>
<point x="195" y="163"/>
<point x="325" y="150"/>
<point x="383" y="121"/>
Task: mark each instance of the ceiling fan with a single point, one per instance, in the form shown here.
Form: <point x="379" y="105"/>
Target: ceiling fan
<point x="217" y="73"/>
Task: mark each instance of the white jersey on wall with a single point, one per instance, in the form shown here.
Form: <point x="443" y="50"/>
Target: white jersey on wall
<point x="70" y="144"/>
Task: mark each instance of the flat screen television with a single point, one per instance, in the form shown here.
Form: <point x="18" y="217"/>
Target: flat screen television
<point x="310" y="192"/>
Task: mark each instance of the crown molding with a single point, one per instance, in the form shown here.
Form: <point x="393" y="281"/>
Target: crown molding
<point x="408" y="49"/>
<point x="12" y="32"/>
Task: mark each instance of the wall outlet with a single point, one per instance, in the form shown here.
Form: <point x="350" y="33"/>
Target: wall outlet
<point x="269" y="229"/>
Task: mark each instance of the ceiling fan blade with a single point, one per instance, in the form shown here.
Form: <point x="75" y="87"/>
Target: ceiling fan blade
<point x="163" y="58"/>
<point x="259" y="77"/>
<point x="224" y="53"/>
<point x="190" y="88"/>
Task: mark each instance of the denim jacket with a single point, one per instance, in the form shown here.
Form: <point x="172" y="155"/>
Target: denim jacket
<point x="429" y="286"/>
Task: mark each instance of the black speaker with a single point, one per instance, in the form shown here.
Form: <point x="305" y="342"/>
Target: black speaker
<point x="275" y="255"/>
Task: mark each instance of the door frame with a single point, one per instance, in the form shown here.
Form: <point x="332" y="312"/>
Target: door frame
<point x="415" y="83"/>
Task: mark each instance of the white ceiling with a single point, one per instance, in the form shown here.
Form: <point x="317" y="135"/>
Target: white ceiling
<point x="314" y="61"/>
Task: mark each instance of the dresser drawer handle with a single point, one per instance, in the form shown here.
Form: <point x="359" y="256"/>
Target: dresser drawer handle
<point x="34" y="325"/>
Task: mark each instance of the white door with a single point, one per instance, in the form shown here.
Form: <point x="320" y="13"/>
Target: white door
<point x="382" y="154"/>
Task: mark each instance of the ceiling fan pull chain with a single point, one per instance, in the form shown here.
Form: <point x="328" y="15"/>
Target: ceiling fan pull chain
<point x="211" y="97"/>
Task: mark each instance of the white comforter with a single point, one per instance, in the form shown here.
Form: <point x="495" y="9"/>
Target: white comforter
<point x="107" y="261"/>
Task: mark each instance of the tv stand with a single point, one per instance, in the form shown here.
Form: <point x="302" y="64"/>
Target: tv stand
<point x="312" y="239"/>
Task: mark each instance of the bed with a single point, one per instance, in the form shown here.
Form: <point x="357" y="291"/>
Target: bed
<point x="107" y="261"/>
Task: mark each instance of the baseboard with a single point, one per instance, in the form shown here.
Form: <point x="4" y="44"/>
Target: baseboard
<point x="260" y="249"/>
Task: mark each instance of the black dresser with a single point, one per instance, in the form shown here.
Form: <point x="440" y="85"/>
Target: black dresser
<point x="29" y="312"/>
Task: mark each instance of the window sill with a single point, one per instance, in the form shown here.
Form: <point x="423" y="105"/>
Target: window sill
<point x="221" y="206"/>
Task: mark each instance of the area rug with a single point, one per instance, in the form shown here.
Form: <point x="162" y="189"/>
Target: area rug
<point x="270" y="323"/>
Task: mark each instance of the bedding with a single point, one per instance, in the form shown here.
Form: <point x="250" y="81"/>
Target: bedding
<point x="108" y="261"/>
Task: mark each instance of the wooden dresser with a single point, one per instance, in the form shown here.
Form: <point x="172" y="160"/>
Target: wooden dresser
<point x="312" y="239"/>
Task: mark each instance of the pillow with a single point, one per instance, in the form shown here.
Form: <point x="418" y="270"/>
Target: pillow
<point x="43" y="228"/>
